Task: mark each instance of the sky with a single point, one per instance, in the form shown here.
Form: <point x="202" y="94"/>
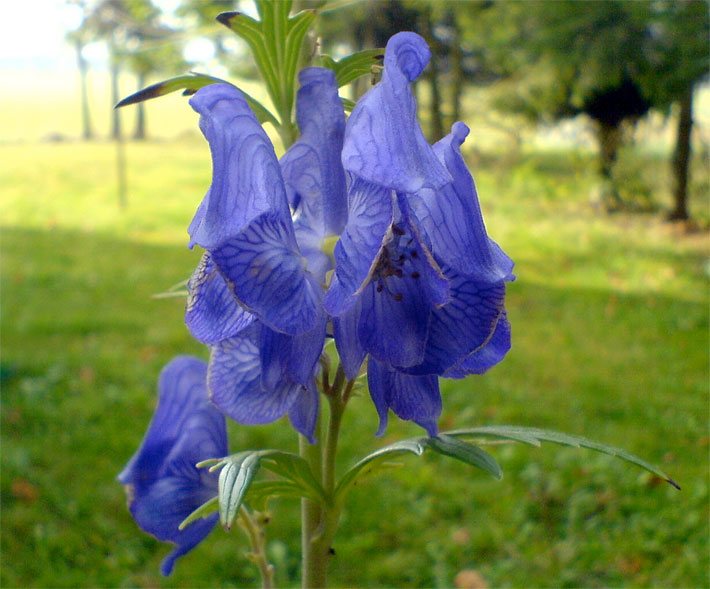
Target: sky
<point x="33" y="36"/>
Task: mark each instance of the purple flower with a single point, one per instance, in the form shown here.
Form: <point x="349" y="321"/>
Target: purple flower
<point x="161" y="480"/>
<point x="418" y="284"/>
<point x="256" y="296"/>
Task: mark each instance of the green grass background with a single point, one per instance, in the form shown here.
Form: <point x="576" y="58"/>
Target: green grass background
<point x="610" y="341"/>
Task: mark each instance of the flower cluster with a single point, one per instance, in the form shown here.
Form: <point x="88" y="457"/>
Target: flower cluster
<point x="414" y="284"/>
<point x="417" y="286"/>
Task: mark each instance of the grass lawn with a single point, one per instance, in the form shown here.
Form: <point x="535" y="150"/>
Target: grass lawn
<point x="610" y="320"/>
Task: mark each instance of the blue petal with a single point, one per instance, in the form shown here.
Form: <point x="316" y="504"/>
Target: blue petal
<point x="246" y="177"/>
<point x="406" y="285"/>
<point x="291" y="357"/>
<point x="413" y="398"/>
<point x="312" y="170"/>
<point x="451" y="217"/>
<point x="162" y="482"/>
<point x="304" y="412"/>
<point x="462" y="326"/>
<point x="350" y="350"/>
<point x="371" y="211"/>
<point x="384" y="143"/>
<point x="212" y="313"/>
<point x="181" y="391"/>
<point x="235" y="382"/>
<point x="488" y="355"/>
<point x="264" y="268"/>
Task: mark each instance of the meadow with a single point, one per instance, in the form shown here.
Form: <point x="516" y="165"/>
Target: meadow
<point x="610" y="328"/>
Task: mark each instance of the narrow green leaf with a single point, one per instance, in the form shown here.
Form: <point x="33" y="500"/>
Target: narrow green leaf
<point x="298" y="27"/>
<point x="293" y="468"/>
<point x="465" y="452"/>
<point x="189" y="82"/>
<point x="534" y="436"/>
<point x="261" y="491"/>
<point x="355" y="65"/>
<point x="402" y="447"/>
<point x="262" y="113"/>
<point x="208" y="462"/>
<point x="348" y="104"/>
<point x="204" y="510"/>
<point x="252" y="31"/>
<point x="234" y="480"/>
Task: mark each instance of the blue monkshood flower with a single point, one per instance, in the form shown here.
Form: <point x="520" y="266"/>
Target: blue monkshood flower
<point x="418" y="284"/>
<point x="161" y="480"/>
<point x="255" y="296"/>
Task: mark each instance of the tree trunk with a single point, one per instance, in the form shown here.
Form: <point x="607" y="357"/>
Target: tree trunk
<point x="681" y="158"/>
<point x="432" y="75"/>
<point x="609" y="140"/>
<point x="86" y="130"/>
<point x="115" y="92"/>
<point x="139" y="133"/>
<point x="456" y="70"/>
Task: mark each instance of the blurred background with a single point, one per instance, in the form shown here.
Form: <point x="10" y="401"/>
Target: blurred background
<point x="590" y="127"/>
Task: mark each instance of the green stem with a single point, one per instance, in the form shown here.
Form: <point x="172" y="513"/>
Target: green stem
<point x="255" y="530"/>
<point x="320" y="521"/>
<point x="311" y="516"/>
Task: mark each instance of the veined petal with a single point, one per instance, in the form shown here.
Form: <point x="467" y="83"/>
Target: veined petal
<point x="161" y="480"/>
<point x="267" y="274"/>
<point x="181" y="392"/>
<point x="405" y="286"/>
<point x="371" y="212"/>
<point x="413" y="398"/>
<point x="384" y="143"/>
<point x="394" y="324"/>
<point x="451" y="217"/>
<point x="312" y="170"/>
<point x="246" y="177"/>
<point x="167" y="503"/>
<point x="292" y="357"/>
<point x="350" y="350"/>
<point x="487" y="356"/>
<point x="462" y="326"/>
<point x="212" y="312"/>
<point x="304" y="412"/>
<point x="235" y="383"/>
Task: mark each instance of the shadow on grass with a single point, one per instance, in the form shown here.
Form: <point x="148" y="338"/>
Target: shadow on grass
<point x="83" y="343"/>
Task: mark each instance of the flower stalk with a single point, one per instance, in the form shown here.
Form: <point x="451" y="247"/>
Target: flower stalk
<point x="253" y="526"/>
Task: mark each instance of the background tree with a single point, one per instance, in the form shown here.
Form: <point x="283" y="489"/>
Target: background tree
<point x="677" y="66"/>
<point x="79" y="38"/>
<point x="612" y="61"/>
<point x="136" y="39"/>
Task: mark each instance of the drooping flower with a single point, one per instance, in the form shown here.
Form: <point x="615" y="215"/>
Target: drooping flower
<point x="256" y="296"/>
<point x="162" y="483"/>
<point x="418" y="284"/>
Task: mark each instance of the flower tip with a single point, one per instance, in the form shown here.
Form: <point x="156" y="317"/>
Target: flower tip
<point x="409" y="53"/>
<point x="318" y="75"/>
<point x="460" y="131"/>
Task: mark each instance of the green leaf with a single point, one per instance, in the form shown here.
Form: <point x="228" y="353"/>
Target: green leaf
<point x="348" y="104"/>
<point x="204" y="510"/>
<point x="414" y="446"/>
<point x="190" y="83"/>
<point x="261" y="491"/>
<point x="293" y="468"/>
<point x="353" y="66"/>
<point x="236" y="475"/>
<point x="465" y="452"/>
<point x="251" y="31"/>
<point x="534" y="436"/>
<point x="238" y="472"/>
